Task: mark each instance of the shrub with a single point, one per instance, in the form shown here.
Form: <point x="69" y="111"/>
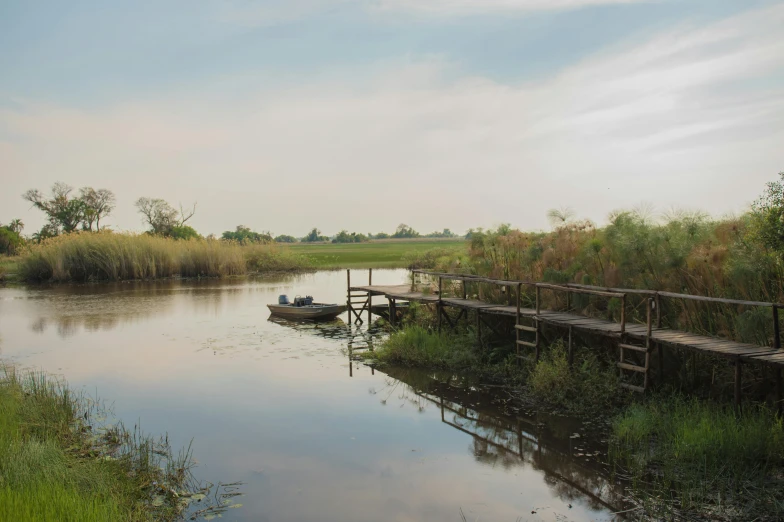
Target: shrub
<point x="587" y="386"/>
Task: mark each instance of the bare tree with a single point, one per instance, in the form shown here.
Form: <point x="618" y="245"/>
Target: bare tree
<point x="162" y="217"/>
<point x="97" y="204"/>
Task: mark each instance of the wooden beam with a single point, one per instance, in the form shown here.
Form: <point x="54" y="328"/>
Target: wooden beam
<point x="370" y="296"/>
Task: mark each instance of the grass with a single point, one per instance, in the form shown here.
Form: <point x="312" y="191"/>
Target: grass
<point x="417" y="346"/>
<point x="57" y="465"/>
<point x="108" y="256"/>
<point x="705" y="457"/>
<point x="375" y="254"/>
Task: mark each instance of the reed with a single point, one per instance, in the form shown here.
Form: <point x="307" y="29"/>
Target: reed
<point x="108" y="256"/>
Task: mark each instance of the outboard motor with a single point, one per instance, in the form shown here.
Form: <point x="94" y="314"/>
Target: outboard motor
<point x="283" y="300"/>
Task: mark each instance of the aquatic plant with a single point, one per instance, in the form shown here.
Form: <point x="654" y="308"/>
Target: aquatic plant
<point x="702" y="456"/>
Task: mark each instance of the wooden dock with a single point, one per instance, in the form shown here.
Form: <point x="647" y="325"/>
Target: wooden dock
<point x="635" y="341"/>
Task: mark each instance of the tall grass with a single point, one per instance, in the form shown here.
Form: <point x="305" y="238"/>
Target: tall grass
<point x="56" y="464"/>
<point x="703" y="456"/>
<point x="109" y="256"/>
<point x="417" y="346"/>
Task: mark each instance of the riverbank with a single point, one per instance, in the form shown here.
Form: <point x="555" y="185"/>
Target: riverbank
<point x="58" y="464"/>
<point x="680" y="457"/>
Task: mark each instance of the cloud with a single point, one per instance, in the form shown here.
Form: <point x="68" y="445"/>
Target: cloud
<point x="690" y="118"/>
<point x="465" y="7"/>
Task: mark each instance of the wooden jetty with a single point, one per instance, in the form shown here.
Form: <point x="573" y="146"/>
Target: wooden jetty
<point x="635" y="340"/>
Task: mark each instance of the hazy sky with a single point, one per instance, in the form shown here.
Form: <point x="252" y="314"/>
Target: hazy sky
<point x="287" y="114"/>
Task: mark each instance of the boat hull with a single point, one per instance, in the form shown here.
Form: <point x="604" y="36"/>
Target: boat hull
<point x="314" y="311"/>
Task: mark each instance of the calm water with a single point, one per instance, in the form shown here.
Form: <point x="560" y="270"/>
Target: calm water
<point x="280" y="407"/>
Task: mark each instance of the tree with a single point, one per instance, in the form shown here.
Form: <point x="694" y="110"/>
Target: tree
<point x="405" y="231"/>
<point x="97" y="204"/>
<point x="244" y="234"/>
<point x="285" y="239"/>
<point x="63" y="211"/>
<point x="16" y="225"/>
<point x="767" y="213"/>
<point x="344" y="237"/>
<point x="314" y="236"/>
<point x="162" y="217"/>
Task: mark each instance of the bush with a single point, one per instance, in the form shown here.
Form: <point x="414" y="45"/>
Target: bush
<point x="416" y="346"/>
<point x="11" y="242"/>
<point x="587" y="386"/>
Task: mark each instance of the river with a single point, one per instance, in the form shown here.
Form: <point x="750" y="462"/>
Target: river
<point x="279" y="406"/>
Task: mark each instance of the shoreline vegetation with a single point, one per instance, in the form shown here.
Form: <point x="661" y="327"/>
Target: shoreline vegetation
<point x="58" y="462"/>
<point x="105" y="256"/>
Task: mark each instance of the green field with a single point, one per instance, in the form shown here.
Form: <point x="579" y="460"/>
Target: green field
<point x="375" y="254"/>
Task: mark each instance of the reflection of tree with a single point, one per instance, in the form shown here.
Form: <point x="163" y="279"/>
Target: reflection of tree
<point x="500" y="438"/>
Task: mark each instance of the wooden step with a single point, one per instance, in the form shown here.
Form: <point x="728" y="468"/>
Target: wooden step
<point x="525" y="328"/>
<point x="642" y="349"/>
<point x="633" y="387"/>
<point x="526" y="343"/>
<point x="632" y="367"/>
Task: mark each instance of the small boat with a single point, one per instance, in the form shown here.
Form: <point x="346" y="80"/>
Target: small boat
<point x="305" y="308"/>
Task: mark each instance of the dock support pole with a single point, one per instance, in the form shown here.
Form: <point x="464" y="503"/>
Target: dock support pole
<point x="392" y="313"/>
<point x="737" y="382"/>
<point x="538" y="322"/>
<point x="658" y="311"/>
<point x="478" y="329"/>
<point x="438" y="305"/>
<point x="348" y="294"/>
<point x="517" y="322"/>
<point x="370" y="296"/>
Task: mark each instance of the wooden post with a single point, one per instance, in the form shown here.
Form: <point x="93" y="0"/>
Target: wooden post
<point x="737" y="382"/>
<point x="658" y="311"/>
<point x="478" y="329"/>
<point x="649" y="304"/>
<point x="348" y="294"/>
<point x="776" y="334"/>
<point x="464" y="289"/>
<point x="778" y="390"/>
<point x="517" y="323"/>
<point x="623" y="314"/>
<point x="438" y="305"/>
<point x="538" y="322"/>
<point x="392" y="312"/>
<point x="568" y="300"/>
<point x="370" y="296"/>
<point x="571" y="349"/>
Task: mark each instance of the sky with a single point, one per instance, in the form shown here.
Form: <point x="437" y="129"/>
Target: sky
<point x="283" y="115"/>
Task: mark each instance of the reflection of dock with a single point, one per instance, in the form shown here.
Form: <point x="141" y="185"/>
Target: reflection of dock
<point x="518" y="440"/>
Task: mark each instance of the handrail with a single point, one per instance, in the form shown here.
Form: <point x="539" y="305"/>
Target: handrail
<point x="575" y="286"/>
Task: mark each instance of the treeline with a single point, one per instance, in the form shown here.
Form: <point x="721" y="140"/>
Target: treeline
<point x="68" y="210"/>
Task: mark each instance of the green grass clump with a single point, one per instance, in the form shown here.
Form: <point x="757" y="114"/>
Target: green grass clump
<point x="587" y="386"/>
<point x="417" y="346"/>
<point x="704" y="456"/>
<point x="56" y="465"/>
<point x="377" y="253"/>
<point x="107" y="256"/>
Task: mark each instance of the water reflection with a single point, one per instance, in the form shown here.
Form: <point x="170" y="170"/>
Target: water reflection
<point x="268" y="403"/>
<point x="563" y="449"/>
